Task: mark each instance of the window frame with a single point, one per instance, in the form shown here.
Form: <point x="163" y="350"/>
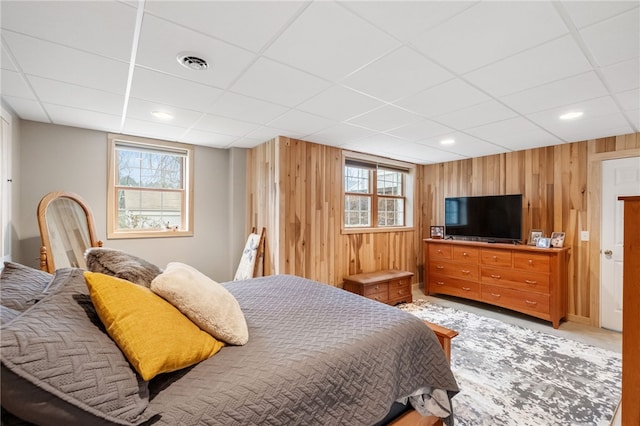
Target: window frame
<point x="374" y="163"/>
<point x="113" y="232"/>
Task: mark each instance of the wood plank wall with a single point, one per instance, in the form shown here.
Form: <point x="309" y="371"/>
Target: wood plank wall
<point x="295" y="191"/>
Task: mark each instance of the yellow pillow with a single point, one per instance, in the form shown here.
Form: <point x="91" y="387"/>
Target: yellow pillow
<point x="153" y="335"/>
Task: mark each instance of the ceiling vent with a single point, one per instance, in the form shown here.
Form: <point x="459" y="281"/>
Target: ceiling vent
<point x="193" y="62"/>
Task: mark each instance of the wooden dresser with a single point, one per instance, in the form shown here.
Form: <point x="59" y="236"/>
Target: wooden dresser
<point x="390" y="286"/>
<point x="526" y="279"/>
<point x="630" y="312"/>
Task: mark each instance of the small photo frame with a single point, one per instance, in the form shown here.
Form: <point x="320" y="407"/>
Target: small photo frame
<point x="543" y="242"/>
<point x="557" y="239"/>
<point x="437" y="232"/>
<point x="534" y="236"/>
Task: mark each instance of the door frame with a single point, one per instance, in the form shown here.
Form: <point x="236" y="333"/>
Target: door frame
<point x="594" y="213"/>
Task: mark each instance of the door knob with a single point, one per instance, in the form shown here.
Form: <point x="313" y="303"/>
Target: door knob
<point x="608" y="252"/>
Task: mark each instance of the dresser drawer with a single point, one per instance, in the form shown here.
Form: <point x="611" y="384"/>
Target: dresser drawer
<point x="400" y="290"/>
<point x="378" y="288"/>
<point x="453" y="286"/>
<point x="496" y="257"/>
<point x="515" y="299"/>
<point x="466" y="254"/>
<point x="465" y="271"/>
<point x="531" y="262"/>
<point x="528" y="281"/>
<point x="439" y="251"/>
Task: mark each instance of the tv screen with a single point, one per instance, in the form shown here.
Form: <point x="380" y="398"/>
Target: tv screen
<point x="485" y="218"/>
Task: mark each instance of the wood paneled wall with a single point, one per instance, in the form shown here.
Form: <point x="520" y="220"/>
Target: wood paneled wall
<point x="295" y="191"/>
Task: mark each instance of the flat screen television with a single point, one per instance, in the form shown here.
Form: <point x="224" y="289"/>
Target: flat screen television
<point x="484" y="218"/>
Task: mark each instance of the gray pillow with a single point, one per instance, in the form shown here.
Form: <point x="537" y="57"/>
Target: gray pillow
<point x="21" y="286"/>
<point x="121" y="265"/>
<point x="59" y="366"/>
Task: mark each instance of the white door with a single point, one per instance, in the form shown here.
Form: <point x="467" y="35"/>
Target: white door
<point x="619" y="177"/>
<point x="5" y="188"/>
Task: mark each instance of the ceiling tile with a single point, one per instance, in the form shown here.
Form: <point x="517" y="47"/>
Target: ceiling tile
<point x="421" y="154"/>
<point x="13" y="84"/>
<point x="330" y="52"/>
<point x="405" y="19"/>
<point x="465" y="145"/>
<point x="224" y="126"/>
<point x="478" y="36"/>
<point x="175" y="91"/>
<point x="105" y="27"/>
<point x="339" y="103"/>
<point x="623" y="76"/>
<point x="622" y="31"/>
<point x="340" y="135"/>
<point x="249" y="24"/>
<point x="551" y="61"/>
<point x="516" y="134"/>
<point x="161" y="42"/>
<point x="585" y="13"/>
<point x="562" y="92"/>
<point x="243" y="108"/>
<point x="482" y="113"/>
<point x="65" y="94"/>
<point x="26" y="109"/>
<point x="302" y="123"/>
<point x="141" y="110"/>
<point x="601" y="117"/>
<point x="67" y="116"/>
<point x="150" y="129"/>
<point x="447" y="97"/>
<point x="246" y="143"/>
<point x="266" y="133"/>
<point x="385" y="118"/>
<point x="377" y="144"/>
<point x="277" y="83"/>
<point x="634" y="117"/>
<point x="401" y="73"/>
<point x="629" y="100"/>
<point x="6" y="63"/>
<point x="199" y="137"/>
<point x="48" y="60"/>
<point x="420" y="130"/>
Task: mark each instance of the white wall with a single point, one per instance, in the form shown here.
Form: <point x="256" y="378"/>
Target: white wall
<point x="60" y="158"/>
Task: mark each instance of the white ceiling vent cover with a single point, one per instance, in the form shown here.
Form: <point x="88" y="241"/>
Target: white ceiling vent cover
<point x="192" y="61"/>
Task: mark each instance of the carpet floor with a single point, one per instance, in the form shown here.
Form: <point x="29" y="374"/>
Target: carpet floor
<point x="511" y="375"/>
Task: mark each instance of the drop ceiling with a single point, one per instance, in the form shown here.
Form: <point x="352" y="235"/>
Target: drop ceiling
<point x="392" y="78"/>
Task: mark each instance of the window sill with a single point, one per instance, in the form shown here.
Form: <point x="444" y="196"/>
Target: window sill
<point x="149" y="234"/>
<point x="389" y="229"/>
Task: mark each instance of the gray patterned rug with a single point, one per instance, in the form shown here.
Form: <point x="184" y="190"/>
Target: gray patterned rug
<point x="510" y="375"/>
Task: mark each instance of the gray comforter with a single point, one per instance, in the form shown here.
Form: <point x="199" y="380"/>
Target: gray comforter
<point x="316" y="355"/>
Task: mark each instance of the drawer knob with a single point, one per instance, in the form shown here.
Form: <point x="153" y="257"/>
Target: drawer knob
<point x="465" y="254"/>
<point x="466" y="288"/>
<point x="529" y="302"/>
<point x="439" y="283"/>
<point x="377" y="287"/>
<point x="530" y="261"/>
<point x="531" y="282"/>
<point x="495" y="257"/>
<point x="439" y="267"/>
<point x="439" y="251"/>
<point x="496" y="294"/>
<point x="465" y="271"/>
<point x="497" y="277"/>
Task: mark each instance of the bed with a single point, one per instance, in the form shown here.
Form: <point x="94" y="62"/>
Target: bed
<point x="316" y="355"/>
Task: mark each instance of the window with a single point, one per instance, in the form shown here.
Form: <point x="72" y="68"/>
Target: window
<point x="149" y="192"/>
<point x="376" y="195"/>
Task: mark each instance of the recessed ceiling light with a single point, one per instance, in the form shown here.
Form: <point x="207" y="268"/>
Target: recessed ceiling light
<point x="192" y="61"/>
<point x="571" y="115"/>
<point x="447" y="142"/>
<point x="162" y="115"/>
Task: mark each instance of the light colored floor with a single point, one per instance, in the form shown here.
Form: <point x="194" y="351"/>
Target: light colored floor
<point x="600" y="337"/>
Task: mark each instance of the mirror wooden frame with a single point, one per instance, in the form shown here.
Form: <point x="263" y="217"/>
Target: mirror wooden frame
<point x="47" y="262"/>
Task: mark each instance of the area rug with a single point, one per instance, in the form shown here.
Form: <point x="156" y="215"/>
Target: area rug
<point x="510" y="375"/>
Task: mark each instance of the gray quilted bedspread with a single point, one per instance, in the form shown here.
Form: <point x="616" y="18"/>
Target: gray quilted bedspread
<point x="316" y="355"/>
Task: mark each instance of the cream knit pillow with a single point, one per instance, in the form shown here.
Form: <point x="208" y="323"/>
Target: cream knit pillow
<point x="205" y="302"/>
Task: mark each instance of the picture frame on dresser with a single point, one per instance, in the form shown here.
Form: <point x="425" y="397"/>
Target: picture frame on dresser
<point x="543" y="242"/>
<point x="557" y="239"/>
<point x="437" y="232"/>
<point x="534" y="235"/>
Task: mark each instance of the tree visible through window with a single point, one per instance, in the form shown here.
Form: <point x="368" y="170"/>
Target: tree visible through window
<point x="373" y="191"/>
<point x="149" y="189"/>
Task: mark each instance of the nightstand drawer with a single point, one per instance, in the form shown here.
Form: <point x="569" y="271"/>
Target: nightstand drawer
<point x="380" y="288"/>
